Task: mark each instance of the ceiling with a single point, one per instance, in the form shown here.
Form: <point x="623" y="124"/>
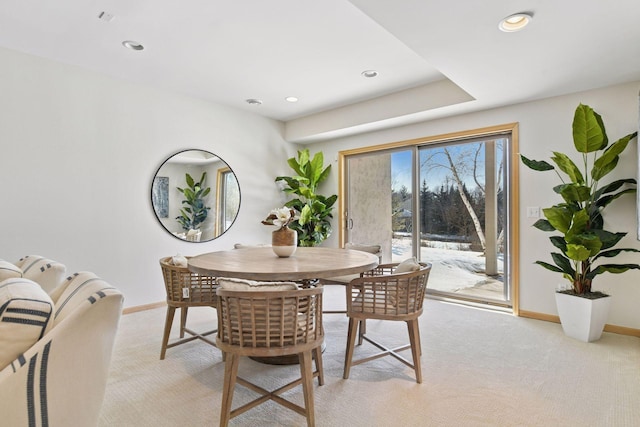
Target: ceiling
<point x="433" y="58"/>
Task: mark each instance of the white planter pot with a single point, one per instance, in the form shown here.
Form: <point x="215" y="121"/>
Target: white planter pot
<point x="582" y="318"/>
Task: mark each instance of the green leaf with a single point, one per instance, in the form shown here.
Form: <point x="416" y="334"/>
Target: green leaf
<point x="544" y="225"/>
<point x="563" y="263"/>
<point x="559" y="218"/>
<point x="549" y="266"/>
<point x="604" y="201"/>
<point x="305" y="215"/>
<point x="578" y="252"/>
<point x="612" y="268"/>
<point x="559" y="242"/>
<point x="315" y="169"/>
<point x="566" y="165"/>
<point x="592" y="242"/>
<point x="189" y="194"/>
<point x="330" y="201"/>
<point x="609" y="159"/>
<point x="588" y="130"/>
<point x="573" y="192"/>
<point x="190" y="180"/>
<point x="578" y="225"/>
<point x="608" y="238"/>
<point x="307" y="193"/>
<point x="612" y="186"/>
<point x="536" y="165"/>
<point x="325" y="173"/>
<point x="614" y="252"/>
<point x="303" y="157"/>
<point x="601" y="169"/>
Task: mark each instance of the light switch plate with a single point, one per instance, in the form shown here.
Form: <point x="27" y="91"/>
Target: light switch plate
<point x="533" y="212"/>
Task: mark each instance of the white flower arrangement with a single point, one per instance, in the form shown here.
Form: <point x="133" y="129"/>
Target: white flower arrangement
<point x="281" y="217"/>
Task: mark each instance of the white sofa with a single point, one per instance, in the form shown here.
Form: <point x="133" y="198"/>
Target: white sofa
<point x="55" y="346"/>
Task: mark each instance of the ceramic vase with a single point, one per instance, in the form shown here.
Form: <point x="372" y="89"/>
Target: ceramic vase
<point x="284" y="242"/>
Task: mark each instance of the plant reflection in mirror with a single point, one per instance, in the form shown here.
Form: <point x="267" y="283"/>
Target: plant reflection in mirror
<point x="194" y="211"/>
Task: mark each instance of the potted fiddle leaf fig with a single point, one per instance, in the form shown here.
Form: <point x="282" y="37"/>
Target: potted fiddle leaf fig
<point x="314" y="222"/>
<point x="584" y="248"/>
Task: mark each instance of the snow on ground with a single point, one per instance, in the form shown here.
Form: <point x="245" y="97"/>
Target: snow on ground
<point x="453" y="270"/>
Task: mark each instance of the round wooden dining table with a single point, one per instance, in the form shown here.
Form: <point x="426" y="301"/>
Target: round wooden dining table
<point x="262" y="264"/>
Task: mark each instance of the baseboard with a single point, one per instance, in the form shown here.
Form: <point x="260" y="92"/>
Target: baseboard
<point x="144" y="307"/>
<point x="539" y="316"/>
<point x="622" y="330"/>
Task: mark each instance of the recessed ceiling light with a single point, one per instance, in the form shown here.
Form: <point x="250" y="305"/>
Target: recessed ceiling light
<point x="130" y="44"/>
<point x="291" y="99"/>
<point x="515" y="22"/>
<point x="253" y="101"/>
<point x="369" y="73"/>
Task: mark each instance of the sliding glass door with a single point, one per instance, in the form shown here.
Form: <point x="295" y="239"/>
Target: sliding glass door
<point x="463" y="217"/>
<point x="443" y="202"/>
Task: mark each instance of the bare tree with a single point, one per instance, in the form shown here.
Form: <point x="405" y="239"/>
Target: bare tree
<point x="460" y="165"/>
<point x="454" y="167"/>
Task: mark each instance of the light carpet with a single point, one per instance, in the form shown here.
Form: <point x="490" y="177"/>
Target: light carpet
<point x="480" y="368"/>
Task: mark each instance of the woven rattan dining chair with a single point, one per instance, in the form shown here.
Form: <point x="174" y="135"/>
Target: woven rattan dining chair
<point x="185" y="289"/>
<point x="344" y="280"/>
<point x="266" y="324"/>
<point x="385" y="295"/>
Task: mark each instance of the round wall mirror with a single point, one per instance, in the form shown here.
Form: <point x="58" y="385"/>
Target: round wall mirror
<point x="195" y="195"/>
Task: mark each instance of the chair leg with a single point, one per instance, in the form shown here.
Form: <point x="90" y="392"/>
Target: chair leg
<point x="418" y="337"/>
<point x="306" y="372"/>
<point x="362" y="330"/>
<point x="230" y="375"/>
<point x="317" y="352"/>
<point x="351" y="340"/>
<point x="167" y="330"/>
<point x="183" y="320"/>
<point x="414" y="338"/>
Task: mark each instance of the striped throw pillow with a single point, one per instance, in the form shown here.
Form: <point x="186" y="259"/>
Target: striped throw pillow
<point x="46" y="272"/>
<point x="76" y="290"/>
<point x="26" y="314"/>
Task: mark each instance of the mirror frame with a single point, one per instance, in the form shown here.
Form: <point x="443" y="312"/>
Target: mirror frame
<point x="167" y="200"/>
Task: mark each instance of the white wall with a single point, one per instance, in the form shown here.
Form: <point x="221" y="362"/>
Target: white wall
<point x="79" y="151"/>
<point x="544" y="126"/>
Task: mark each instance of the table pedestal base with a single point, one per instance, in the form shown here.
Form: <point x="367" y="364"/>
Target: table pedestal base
<point x="289" y="359"/>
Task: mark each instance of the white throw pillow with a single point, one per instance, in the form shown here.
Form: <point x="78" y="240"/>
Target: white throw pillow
<point x="252" y="285"/>
<point x="26" y="314"/>
<point x="178" y="261"/>
<point x="9" y="270"/>
<point x="372" y="249"/>
<point x="46" y="272"/>
<point x="407" y="266"/>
